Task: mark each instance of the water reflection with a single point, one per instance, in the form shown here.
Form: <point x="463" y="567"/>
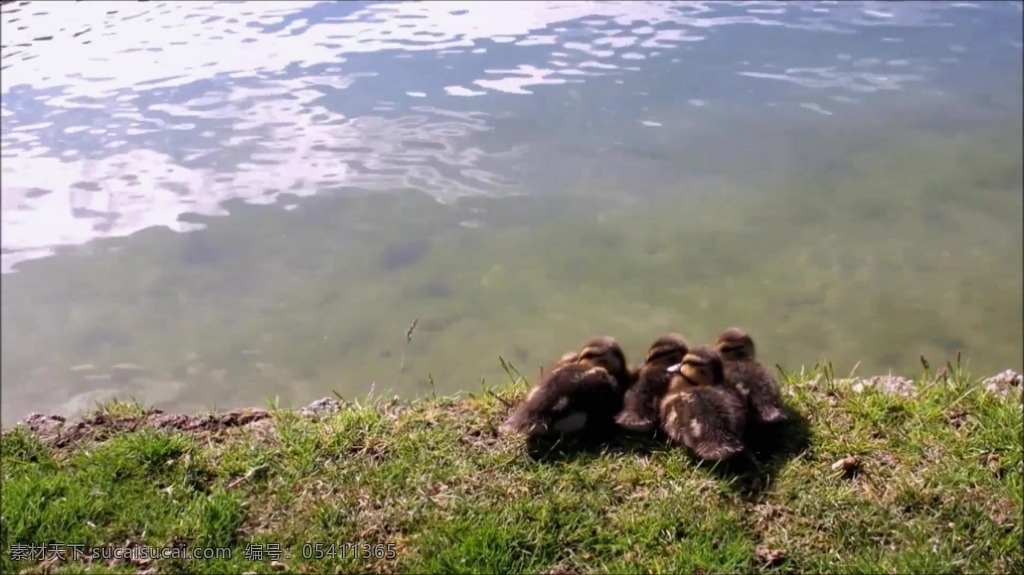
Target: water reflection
<point x="198" y="100"/>
<point x="343" y="168"/>
<point x="133" y="189"/>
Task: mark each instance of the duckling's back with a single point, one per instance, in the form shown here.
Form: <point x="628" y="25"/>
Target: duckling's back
<point x="571" y="398"/>
<point x="708" y="419"/>
<point x="640" y="404"/>
<point x="758" y="387"/>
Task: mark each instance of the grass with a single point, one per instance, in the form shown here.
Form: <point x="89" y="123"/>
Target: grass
<point x="858" y="482"/>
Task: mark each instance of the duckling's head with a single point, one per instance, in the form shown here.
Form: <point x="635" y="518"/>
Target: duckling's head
<point x="701" y="366"/>
<point x="735" y="344"/>
<point x="606" y="353"/>
<point x="667" y="350"/>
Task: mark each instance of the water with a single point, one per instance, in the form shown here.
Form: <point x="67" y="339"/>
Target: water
<point x="213" y="204"/>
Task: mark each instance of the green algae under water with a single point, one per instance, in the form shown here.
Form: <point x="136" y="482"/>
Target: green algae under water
<point x="887" y="250"/>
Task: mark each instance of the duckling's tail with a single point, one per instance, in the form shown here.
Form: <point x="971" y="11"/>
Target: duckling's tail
<point x="520" y="423"/>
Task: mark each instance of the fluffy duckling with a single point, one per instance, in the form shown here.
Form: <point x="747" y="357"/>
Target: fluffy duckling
<point x="750" y="378"/>
<point x="582" y="391"/>
<point x="698" y="411"/>
<point x="640" y="405"/>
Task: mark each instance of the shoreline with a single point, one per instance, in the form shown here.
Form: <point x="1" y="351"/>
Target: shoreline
<point x="927" y="467"/>
<point x="1000" y="384"/>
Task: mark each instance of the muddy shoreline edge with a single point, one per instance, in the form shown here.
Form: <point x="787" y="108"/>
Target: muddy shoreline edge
<point x="61" y="432"/>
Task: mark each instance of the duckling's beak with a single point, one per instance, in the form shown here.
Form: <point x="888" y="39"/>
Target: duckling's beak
<point x="674" y="368"/>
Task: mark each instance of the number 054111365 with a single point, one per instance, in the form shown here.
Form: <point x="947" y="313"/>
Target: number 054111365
<point x="349" y="550"/>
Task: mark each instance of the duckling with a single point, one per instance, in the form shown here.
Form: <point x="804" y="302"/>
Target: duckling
<point x="640" y="404"/>
<point x="605" y="351"/>
<point x="750" y="378"/>
<point x="623" y="374"/>
<point x="582" y="391"/>
<point x="698" y="411"/>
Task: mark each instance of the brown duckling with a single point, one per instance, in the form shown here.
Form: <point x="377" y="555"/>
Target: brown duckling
<point x="699" y="411"/>
<point x="582" y="391"/>
<point x="750" y="378"/>
<point x="640" y="405"/>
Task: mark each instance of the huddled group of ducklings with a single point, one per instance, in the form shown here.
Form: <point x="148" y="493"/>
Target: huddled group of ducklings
<point x="701" y="397"/>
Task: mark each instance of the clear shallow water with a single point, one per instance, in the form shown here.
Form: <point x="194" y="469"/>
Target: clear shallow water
<point x="216" y="203"/>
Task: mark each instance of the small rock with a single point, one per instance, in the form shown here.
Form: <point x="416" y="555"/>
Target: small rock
<point x="891" y="384"/>
<point x="320" y="407"/>
<point x="403" y="253"/>
<point x="38" y="420"/>
<point x="992" y="462"/>
<point x="161" y="420"/>
<point x="45" y="426"/>
<point x="956" y="417"/>
<point x="1002" y="384"/>
<point x="278" y="566"/>
<point x="849" y="465"/>
<point x="767" y="557"/>
<point x="896" y="385"/>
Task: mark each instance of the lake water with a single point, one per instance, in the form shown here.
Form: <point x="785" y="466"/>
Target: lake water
<point x="209" y="204"/>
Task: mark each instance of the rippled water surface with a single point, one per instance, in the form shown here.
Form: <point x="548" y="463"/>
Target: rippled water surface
<point x="208" y="204"/>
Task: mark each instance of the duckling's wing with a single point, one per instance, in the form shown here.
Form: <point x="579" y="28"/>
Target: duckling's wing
<point x="767" y="398"/>
<point x="729" y="406"/>
<point x="698" y="422"/>
<point x="593" y="393"/>
<point x="640" y="403"/>
<point x="563" y="401"/>
<point x="674" y="416"/>
<point x="761" y="390"/>
<point x="531" y="415"/>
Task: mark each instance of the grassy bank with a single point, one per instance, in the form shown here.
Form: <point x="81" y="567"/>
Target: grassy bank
<point x="864" y="479"/>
